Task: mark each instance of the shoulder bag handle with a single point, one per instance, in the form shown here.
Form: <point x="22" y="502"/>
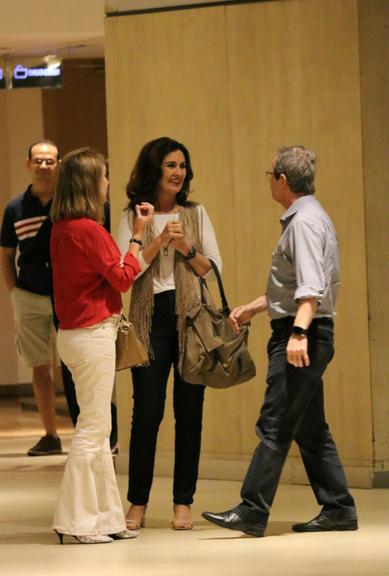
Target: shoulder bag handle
<point x="223" y="298"/>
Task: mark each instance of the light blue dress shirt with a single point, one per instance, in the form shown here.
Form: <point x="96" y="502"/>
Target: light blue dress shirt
<point x="305" y="263"/>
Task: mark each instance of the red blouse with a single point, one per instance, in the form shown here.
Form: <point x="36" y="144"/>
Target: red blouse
<point x="88" y="275"/>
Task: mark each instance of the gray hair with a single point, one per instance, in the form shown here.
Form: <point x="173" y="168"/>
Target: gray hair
<point x="297" y="163"/>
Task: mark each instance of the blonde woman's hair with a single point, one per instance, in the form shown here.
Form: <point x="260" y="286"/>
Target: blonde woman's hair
<point x="77" y="194"/>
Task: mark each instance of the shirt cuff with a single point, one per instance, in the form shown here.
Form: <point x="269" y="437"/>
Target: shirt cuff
<point x="305" y="292"/>
<point x="131" y="260"/>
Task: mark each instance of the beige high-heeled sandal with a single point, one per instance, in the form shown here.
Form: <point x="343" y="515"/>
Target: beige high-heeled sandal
<point x="92" y="539"/>
<point x="135" y="517"/>
<point x="182" y="519"/>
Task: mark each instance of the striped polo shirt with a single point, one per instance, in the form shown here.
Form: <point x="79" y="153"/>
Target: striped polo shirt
<point x="22" y="220"/>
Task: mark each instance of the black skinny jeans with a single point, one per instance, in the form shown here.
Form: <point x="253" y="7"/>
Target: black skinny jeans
<point x="149" y="384"/>
<point x="294" y="410"/>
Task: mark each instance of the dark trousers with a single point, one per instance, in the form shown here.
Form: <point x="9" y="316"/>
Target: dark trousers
<point x="149" y="384"/>
<point x="294" y="410"/>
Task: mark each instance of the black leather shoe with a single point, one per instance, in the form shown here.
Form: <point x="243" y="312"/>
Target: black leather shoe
<point x="233" y="521"/>
<point x="328" y="521"/>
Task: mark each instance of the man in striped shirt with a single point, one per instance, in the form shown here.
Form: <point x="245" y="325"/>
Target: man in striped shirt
<point x="29" y="283"/>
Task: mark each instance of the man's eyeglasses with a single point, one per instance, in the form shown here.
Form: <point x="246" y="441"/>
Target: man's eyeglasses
<point x="47" y="161"/>
<point x="271" y="173"/>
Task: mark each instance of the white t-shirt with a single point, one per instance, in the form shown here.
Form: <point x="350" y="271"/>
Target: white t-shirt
<point x="165" y="281"/>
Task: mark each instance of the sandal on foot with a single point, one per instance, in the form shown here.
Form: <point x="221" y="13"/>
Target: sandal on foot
<point x="135" y="517"/>
<point x="182" y="519"/>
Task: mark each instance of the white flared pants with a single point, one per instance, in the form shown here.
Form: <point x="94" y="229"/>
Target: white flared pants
<point x="89" y="501"/>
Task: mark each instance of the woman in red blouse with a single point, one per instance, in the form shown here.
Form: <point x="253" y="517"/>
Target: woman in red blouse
<point x="88" y="275"/>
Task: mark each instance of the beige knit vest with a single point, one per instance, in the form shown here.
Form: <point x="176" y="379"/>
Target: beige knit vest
<point x="186" y="280"/>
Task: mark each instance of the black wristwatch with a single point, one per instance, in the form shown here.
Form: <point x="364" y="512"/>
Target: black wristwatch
<point x="139" y="242"/>
<point x="191" y="254"/>
<point x="298" y="331"/>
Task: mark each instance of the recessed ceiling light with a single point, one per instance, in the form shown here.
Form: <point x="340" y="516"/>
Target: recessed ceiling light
<point x="52" y="61"/>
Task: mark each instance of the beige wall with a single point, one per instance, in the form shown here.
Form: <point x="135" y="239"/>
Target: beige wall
<point x="7" y="349"/>
<point x="234" y="83"/>
<point x="374" y="25"/>
<point x="73" y="117"/>
<point x="20" y="124"/>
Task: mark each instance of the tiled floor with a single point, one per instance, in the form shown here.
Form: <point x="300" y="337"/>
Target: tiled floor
<point x="28" y="488"/>
<point x="17" y="423"/>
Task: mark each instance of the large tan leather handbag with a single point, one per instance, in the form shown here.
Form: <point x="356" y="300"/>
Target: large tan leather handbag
<point x="213" y="354"/>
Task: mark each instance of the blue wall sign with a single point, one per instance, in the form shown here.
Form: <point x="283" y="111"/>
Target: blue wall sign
<point x="36" y="77"/>
<point x="2" y="79"/>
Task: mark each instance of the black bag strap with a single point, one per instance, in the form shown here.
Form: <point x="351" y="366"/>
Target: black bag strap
<point x="223" y="298"/>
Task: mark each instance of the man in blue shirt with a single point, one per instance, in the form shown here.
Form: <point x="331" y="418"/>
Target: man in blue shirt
<point x="300" y="298"/>
<point x="29" y="285"/>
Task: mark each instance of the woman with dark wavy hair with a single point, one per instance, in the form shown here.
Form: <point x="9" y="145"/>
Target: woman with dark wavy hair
<point x="88" y="275"/>
<point x="175" y="251"/>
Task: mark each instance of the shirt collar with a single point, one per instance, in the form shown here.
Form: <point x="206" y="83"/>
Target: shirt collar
<point x="295" y="207"/>
<point x="36" y="200"/>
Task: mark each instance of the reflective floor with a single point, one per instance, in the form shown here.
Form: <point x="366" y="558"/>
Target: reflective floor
<point x="28" y="489"/>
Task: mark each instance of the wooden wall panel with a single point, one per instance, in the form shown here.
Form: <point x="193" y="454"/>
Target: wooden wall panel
<point x="235" y="83"/>
<point x="75" y="116"/>
<point x="168" y="75"/>
<point x="374" y="26"/>
<point x="8" y="359"/>
<point x="294" y="78"/>
<point x="21" y="124"/>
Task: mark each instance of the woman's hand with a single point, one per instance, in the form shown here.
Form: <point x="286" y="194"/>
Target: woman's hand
<point x="181" y="245"/>
<point x="172" y="234"/>
<point x="144" y="213"/>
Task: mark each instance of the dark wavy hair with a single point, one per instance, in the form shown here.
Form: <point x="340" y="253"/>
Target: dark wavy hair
<point x="147" y="172"/>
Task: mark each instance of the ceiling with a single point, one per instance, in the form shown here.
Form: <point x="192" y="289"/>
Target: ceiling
<point x="34" y="28"/>
<point x="31" y="29"/>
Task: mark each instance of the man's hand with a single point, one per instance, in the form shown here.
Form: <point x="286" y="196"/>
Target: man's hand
<point x="8" y="267"/>
<point x="297" y="351"/>
<point x="241" y="315"/>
